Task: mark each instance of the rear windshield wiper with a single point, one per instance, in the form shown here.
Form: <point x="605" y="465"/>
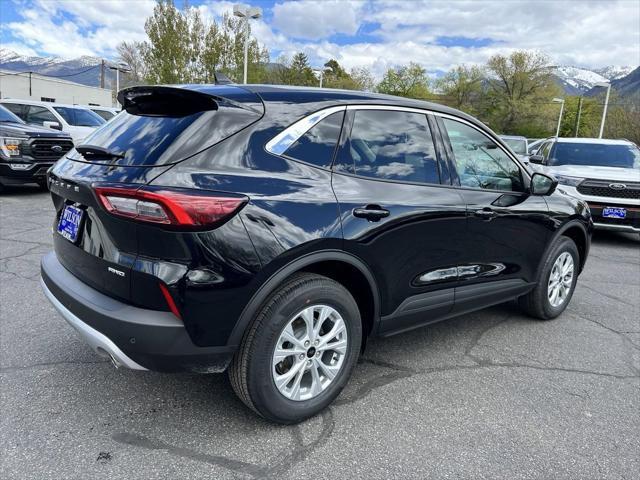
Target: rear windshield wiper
<point x="94" y="152"/>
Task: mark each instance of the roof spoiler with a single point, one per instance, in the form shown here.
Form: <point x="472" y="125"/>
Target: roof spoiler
<point x="161" y="101"/>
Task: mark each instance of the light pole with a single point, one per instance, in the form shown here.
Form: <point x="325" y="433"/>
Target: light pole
<point x="246" y="13"/>
<point x="120" y="67"/>
<point x="561" y="102"/>
<point x="606" y="104"/>
<point x="320" y="72"/>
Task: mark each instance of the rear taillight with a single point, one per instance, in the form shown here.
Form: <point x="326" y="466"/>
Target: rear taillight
<point x="179" y="208"/>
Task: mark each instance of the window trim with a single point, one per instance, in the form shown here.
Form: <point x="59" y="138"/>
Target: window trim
<point x="281" y="142"/>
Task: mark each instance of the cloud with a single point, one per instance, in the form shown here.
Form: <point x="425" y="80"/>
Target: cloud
<point x="376" y="34"/>
<point x="315" y="20"/>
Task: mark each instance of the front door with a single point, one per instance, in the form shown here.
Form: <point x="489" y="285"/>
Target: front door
<point x="396" y="216"/>
<point x="507" y="228"/>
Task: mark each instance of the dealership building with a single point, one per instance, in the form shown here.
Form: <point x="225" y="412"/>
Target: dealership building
<point x="32" y="86"/>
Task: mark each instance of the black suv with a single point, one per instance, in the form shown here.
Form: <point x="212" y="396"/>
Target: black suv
<point x="270" y="230"/>
<point x="26" y="151"/>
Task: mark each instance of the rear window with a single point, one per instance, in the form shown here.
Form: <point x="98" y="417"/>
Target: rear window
<point x="159" y="140"/>
<point x="595" y="154"/>
<point x="517" y="145"/>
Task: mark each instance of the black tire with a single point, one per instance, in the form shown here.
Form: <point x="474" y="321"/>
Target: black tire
<point x="250" y="371"/>
<point x="43" y="184"/>
<point x="536" y="303"/>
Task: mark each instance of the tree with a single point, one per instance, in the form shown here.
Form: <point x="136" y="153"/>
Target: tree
<point x="362" y="78"/>
<point x="300" y="71"/>
<point x="131" y="53"/>
<point x="406" y="81"/>
<point x="520" y="91"/>
<point x="462" y="87"/>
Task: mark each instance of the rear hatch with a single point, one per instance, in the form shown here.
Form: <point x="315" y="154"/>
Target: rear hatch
<point x="159" y="127"/>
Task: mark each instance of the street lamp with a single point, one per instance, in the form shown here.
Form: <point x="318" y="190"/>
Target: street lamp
<point x="320" y="72"/>
<point x="120" y="67"/>
<point x="606" y="104"/>
<point x="561" y="102"/>
<point x="246" y="13"/>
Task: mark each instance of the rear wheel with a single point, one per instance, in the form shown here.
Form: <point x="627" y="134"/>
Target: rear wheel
<point x="43" y="184"/>
<point x="300" y="350"/>
<point x="556" y="284"/>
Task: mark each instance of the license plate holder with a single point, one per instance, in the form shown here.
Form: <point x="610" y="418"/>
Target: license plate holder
<point x="614" y="212"/>
<point x="70" y="222"/>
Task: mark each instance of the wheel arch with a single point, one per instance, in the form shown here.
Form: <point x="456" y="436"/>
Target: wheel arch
<point x="338" y="265"/>
<point x="577" y="232"/>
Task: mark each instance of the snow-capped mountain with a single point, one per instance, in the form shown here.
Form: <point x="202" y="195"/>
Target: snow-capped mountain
<point x="614" y="72"/>
<point x="577" y="81"/>
<point x="76" y="70"/>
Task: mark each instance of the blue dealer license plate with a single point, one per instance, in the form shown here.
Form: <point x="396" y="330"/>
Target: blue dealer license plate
<point x="69" y="224"/>
<point x="614" y="212"/>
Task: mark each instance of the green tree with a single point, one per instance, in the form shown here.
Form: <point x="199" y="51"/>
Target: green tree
<point x="519" y="96"/>
<point x="300" y="73"/>
<point x="406" y="81"/>
<point x="461" y="87"/>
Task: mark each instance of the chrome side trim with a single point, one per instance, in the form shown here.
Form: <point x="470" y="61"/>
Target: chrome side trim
<point x="616" y="228"/>
<point x="96" y="340"/>
<point x="279" y="144"/>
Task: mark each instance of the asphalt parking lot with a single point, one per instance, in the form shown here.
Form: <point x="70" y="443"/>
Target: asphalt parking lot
<point x="489" y="395"/>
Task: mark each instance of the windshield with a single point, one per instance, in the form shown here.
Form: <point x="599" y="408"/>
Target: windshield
<point x="79" y="117"/>
<point x="517" y="145"/>
<point x="7" y="116"/>
<point x="595" y="154"/>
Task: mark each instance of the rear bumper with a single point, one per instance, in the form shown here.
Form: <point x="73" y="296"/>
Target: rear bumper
<point x="132" y="337"/>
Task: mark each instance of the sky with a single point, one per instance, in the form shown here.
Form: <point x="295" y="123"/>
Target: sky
<point x="375" y="34"/>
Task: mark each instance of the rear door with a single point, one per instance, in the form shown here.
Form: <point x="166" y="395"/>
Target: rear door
<point x="396" y="215"/>
<point x="507" y="228"/>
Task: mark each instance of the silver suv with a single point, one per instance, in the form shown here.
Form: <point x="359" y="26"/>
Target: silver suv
<point x="604" y="173"/>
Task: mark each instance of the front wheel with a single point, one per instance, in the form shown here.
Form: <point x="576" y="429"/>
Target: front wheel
<point x="556" y="284"/>
<point x="300" y="350"/>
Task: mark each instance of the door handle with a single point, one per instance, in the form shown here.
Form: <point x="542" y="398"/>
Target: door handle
<point x="485" y="213"/>
<point x="373" y="213"/>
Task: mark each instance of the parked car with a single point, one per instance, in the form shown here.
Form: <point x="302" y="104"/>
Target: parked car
<point x="75" y="120"/>
<point x="107" y="113"/>
<point x="604" y="173"/>
<point x="26" y="151"/>
<point x="533" y="146"/>
<point x="518" y="144"/>
<point x="271" y="230"/>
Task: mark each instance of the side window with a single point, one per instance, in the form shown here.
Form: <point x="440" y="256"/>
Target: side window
<point x="545" y="149"/>
<point x="479" y="160"/>
<point x="317" y="145"/>
<point x="392" y="145"/>
<point x="16" y="109"/>
<point x="36" y="115"/>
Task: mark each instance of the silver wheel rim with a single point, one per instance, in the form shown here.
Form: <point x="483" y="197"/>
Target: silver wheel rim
<point x="560" y="279"/>
<point x="309" y="353"/>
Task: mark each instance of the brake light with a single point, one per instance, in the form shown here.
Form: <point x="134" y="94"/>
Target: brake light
<point x="181" y="208"/>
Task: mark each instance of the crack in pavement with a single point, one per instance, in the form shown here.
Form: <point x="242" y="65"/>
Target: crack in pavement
<point x="609" y="296"/>
<point x="300" y="450"/>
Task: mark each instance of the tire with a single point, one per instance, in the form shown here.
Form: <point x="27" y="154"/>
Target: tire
<point x="253" y="370"/>
<point x="537" y="303"/>
<point x="43" y="184"/>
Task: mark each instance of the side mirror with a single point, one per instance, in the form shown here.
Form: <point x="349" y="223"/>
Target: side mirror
<point x="542" y="184"/>
<point x="54" y="125"/>
<point x="539" y="159"/>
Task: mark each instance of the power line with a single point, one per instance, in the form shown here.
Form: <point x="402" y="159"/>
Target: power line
<point x="53" y="76"/>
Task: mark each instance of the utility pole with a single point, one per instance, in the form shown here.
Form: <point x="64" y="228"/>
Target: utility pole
<point x="102" y="74"/>
<point x="578" y="116"/>
<point x="246" y="13"/>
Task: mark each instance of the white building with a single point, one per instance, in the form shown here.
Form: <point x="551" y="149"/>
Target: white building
<point x="32" y="86"/>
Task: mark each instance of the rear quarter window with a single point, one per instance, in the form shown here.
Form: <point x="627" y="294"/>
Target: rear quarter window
<point x="318" y="144"/>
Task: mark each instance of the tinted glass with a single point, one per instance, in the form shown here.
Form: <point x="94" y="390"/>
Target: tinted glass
<point x="79" y="117"/>
<point x="602" y="155"/>
<point x="393" y="146"/>
<point x="16" y="109"/>
<point x="7" y="116"/>
<point x="151" y="140"/>
<point x="518" y="146"/>
<point x="544" y="150"/>
<point x="317" y="145"/>
<point x="38" y="115"/>
<point x="479" y="161"/>
<point x="107" y="115"/>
